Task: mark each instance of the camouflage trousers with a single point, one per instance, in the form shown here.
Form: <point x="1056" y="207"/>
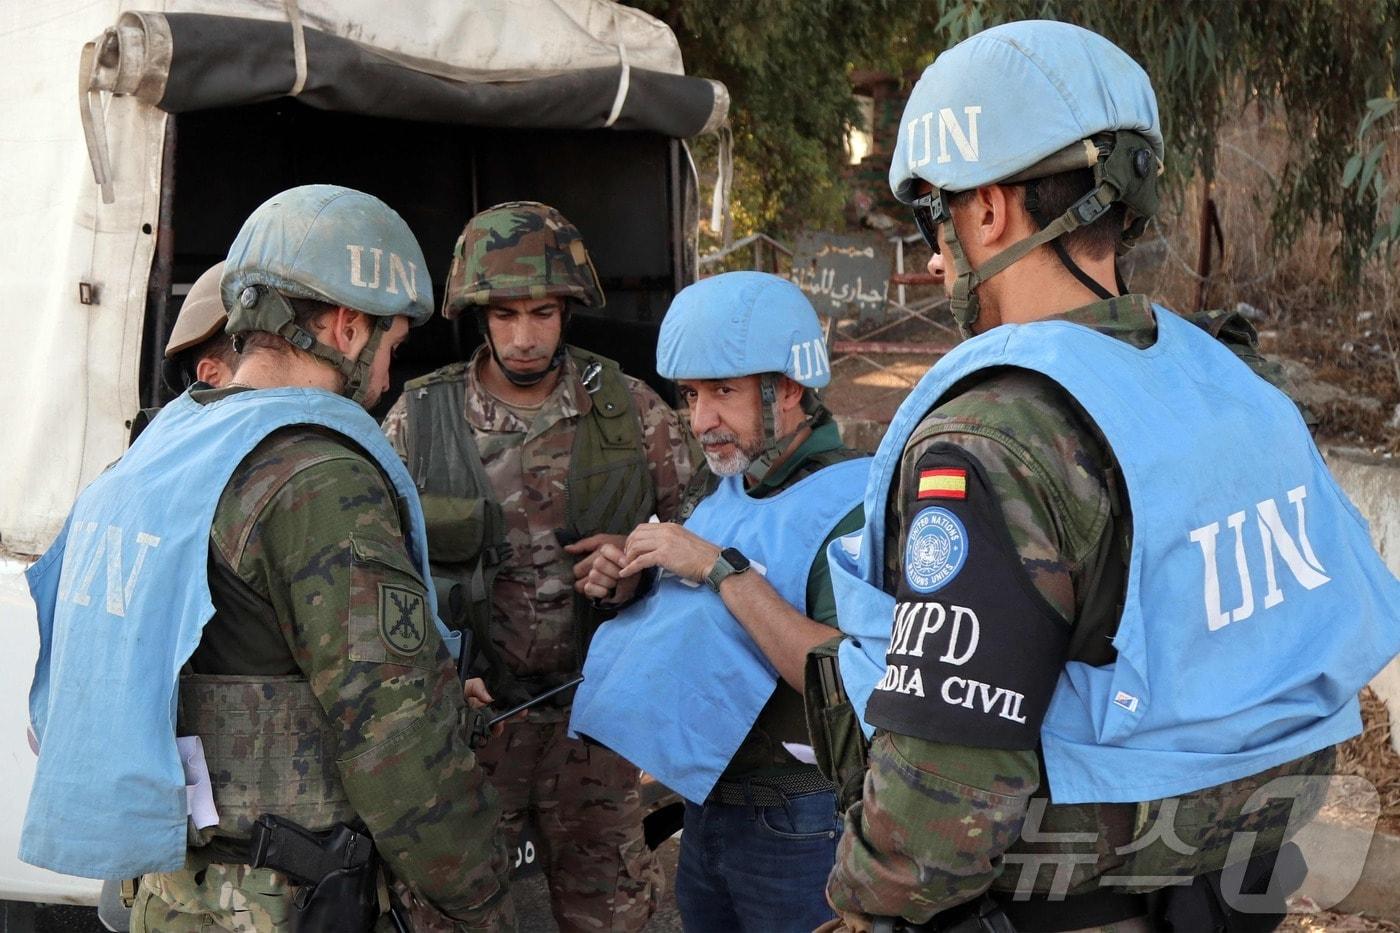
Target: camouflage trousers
<point x="215" y="897"/>
<point x="584" y="804"/>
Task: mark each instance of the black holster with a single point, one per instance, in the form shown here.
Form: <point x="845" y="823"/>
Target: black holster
<point x="337" y="873"/>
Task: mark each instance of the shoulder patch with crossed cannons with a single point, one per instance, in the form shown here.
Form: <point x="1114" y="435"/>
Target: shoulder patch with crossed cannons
<point x="403" y="620"/>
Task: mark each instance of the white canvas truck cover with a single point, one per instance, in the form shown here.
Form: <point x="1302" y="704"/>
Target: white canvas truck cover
<point x="75" y="256"/>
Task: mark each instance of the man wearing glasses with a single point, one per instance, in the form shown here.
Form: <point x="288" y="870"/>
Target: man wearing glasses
<point x="1105" y="566"/>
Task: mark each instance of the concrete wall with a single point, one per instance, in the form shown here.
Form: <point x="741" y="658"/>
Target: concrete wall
<point x="1374" y="486"/>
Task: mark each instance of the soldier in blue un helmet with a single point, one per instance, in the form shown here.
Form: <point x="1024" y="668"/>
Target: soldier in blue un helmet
<point x="699" y="683"/>
<point x="263" y="629"/>
<point x="1107" y="590"/>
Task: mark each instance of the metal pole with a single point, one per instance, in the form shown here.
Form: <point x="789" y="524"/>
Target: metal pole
<point x="158" y="317"/>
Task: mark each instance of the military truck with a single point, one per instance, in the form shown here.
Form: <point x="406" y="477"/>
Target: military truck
<point x="189" y="113"/>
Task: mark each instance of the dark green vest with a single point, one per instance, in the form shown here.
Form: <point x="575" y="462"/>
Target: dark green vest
<point x="609" y="490"/>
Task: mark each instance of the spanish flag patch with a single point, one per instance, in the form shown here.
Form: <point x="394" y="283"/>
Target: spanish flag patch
<point x="942" y="484"/>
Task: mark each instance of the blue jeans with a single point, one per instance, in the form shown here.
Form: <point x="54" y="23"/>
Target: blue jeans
<point x="759" y="869"/>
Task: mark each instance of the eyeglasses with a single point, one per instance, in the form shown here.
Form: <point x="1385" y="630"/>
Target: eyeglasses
<point x="930" y="211"/>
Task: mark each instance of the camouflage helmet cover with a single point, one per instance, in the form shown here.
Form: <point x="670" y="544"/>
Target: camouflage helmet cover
<point x="520" y="249"/>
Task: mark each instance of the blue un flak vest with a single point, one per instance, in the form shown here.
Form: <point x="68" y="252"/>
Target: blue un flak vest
<point x="1256" y="607"/>
<point x="674" y="683"/>
<point x="122" y="599"/>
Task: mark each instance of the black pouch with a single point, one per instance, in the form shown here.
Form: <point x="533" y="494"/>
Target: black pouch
<point x="838" y="742"/>
<point x="1211" y="903"/>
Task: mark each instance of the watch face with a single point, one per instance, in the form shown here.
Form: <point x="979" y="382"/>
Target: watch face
<point x="734" y="558"/>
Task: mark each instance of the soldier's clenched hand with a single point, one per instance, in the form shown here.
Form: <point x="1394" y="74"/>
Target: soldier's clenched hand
<point x="476" y="694"/>
<point x="603" y="576"/>
<point x="670" y="547"/>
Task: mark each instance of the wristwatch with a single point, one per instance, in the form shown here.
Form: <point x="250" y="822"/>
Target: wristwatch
<point x="729" y="562"/>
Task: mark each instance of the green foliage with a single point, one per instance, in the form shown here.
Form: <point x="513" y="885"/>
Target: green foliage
<point x="1318" y="62"/>
<point x="1364" y="172"/>
<point x="786" y="64"/>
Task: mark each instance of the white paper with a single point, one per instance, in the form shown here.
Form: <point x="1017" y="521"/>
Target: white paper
<point x="803" y="753"/>
<point x="199" y="792"/>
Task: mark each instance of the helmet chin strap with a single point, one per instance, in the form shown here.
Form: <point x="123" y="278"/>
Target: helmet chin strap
<point x="773" y="446"/>
<point x="355" y="371"/>
<point x="964" y="303"/>
<point x="525" y="380"/>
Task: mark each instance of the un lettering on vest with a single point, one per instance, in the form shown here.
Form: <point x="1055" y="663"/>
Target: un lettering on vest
<point x="961" y="133"/>
<point x="953" y="633"/>
<point x="1275" y="540"/>
<point x="400" y="271"/>
<point x="90" y="551"/>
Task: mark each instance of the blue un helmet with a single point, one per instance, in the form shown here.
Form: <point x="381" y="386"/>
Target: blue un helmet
<point x="330" y="244"/>
<point x="747" y="324"/>
<point x="1016" y="103"/>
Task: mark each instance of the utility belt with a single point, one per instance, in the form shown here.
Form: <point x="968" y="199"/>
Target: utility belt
<point x="988" y="914"/>
<point x="772" y="791"/>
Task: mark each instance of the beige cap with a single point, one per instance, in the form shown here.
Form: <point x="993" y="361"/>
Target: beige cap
<point x="201" y="316"/>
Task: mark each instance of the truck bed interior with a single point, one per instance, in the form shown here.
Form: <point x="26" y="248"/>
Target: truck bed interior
<point x="626" y="192"/>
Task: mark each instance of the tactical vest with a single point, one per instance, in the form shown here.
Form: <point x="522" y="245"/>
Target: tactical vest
<point x="122" y="599"/>
<point x="609" y="490"/>
<point x="1252" y="578"/>
<point x="269" y="749"/>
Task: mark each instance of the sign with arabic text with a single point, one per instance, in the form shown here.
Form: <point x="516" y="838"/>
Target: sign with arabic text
<point x="844" y="275"/>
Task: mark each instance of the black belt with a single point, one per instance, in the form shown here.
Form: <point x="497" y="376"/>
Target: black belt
<point x="770" y="791"/>
<point x="1037" y="915"/>
<point x="1076" y="912"/>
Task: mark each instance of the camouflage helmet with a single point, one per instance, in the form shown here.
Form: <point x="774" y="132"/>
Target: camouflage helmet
<point x="520" y="249"/>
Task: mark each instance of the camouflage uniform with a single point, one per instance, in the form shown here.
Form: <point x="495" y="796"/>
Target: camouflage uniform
<point x="584" y="800"/>
<point x="306" y="533"/>
<point x="941" y="823"/>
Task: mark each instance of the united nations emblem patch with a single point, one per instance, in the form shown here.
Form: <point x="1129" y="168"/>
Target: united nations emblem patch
<point x="403" y="622"/>
<point x="935" y="550"/>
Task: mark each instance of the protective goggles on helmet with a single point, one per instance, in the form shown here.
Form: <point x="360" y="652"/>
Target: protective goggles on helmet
<point x="930" y="210"/>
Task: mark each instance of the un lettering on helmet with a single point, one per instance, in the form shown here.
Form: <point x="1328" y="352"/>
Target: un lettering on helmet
<point x="401" y="271"/>
<point x="328" y="243"/>
<point x="1055" y="85"/>
<point x="743" y="324"/>
<point x="963" y="136"/>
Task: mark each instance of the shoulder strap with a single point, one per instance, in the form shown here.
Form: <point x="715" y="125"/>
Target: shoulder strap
<point x="442" y="453"/>
<point x="702" y="483"/>
<point x="608" y="476"/>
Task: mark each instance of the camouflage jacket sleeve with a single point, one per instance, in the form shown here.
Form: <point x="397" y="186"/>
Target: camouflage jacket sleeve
<point x="668" y="456"/>
<point x="328" y="553"/>
<point x="937" y="817"/>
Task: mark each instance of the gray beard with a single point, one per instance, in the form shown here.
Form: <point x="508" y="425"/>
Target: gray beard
<point x="732" y="465"/>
